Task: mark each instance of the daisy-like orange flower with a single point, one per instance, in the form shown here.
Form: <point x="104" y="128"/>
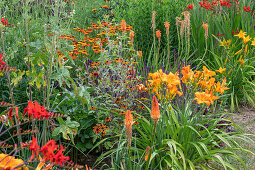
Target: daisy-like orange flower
<point x="95" y="74"/>
<point x="106" y="6"/>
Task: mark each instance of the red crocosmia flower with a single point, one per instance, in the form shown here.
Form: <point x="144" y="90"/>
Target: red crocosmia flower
<point x="59" y="157"/>
<point x="248" y="9"/>
<point x="29" y="110"/>
<point x="190" y="6"/>
<point x="35" y="111"/>
<point x="10" y="115"/>
<point x="17" y="113"/>
<point x="4" y="21"/>
<point x="48" y="150"/>
<point x="1" y="61"/>
<point x="34" y="148"/>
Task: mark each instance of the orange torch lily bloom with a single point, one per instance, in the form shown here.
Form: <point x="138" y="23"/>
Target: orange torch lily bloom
<point x="128" y="124"/>
<point x="155" y="113"/>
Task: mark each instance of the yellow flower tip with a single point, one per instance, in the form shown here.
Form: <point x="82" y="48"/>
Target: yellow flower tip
<point x="155" y="113"/>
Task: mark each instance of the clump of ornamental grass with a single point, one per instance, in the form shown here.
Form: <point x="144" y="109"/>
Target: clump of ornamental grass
<point x="190" y="132"/>
<point x="237" y="67"/>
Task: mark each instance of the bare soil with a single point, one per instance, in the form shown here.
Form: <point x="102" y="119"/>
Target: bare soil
<point x="246" y="120"/>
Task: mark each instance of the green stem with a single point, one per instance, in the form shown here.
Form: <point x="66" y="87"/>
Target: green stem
<point x="129" y="158"/>
<point x="27" y="47"/>
<point x="11" y="92"/>
<point x="152" y="143"/>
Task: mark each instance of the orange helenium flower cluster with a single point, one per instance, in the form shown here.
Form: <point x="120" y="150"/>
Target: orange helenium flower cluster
<point x="97" y="43"/>
<point x="100" y="129"/>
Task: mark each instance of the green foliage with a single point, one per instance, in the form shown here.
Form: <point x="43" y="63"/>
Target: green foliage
<point x="184" y="139"/>
<point x="139" y="15"/>
<point x="68" y="129"/>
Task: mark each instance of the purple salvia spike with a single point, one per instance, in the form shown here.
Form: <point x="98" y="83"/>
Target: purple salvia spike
<point x="162" y="67"/>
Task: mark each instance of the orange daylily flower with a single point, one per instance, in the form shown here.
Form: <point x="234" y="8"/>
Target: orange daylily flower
<point x="207" y="73"/>
<point x="205" y="97"/>
<point x="221" y="70"/>
<point x="187" y="74"/>
<point x="241" y="34"/>
<point x="253" y="42"/>
<point x="9" y="162"/>
<point x="246" y="39"/>
<point x="221" y="87"/>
